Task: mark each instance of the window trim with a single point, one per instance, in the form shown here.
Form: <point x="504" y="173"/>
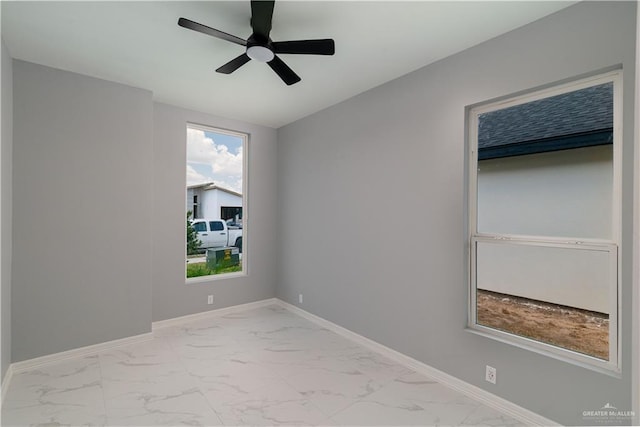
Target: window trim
<point x="246" y="138"/>
<point x="614" y="364"/>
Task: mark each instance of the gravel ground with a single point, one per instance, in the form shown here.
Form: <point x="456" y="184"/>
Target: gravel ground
<point x="574" y="329"/>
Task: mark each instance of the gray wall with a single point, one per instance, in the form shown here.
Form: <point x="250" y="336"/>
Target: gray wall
<point x="6" y="111"/>
<point x="82" y="177"/>
<point x="171" y="297"/>
<point x="395" y="272"/>
<point x="99" y="207"/>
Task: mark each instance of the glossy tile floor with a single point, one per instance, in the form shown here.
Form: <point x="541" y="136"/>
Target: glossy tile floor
<point x="265" y="366"/>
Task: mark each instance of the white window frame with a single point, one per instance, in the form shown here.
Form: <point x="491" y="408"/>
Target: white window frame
<point x="245" y="204"/>
<point x="611" y="246"/>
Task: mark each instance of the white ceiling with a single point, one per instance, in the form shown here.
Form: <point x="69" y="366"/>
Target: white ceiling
<point x="140" y="44"/>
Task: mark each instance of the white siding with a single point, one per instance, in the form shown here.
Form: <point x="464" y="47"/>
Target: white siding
<point x="213" y="199"/>
<point x="227" y="199"/>
<point x="565" y="193"/>
<point x="574" y="278"/>
<point x="209" y="204"/>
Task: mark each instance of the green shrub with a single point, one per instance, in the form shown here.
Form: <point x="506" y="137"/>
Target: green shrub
<point x="200" y="269"/>
<point x="193" y="243"/>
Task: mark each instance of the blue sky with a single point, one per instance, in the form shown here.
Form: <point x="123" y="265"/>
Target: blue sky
<point x="214" y="157"/>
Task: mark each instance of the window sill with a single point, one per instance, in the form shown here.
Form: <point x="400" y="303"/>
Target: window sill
<point x="215" y="277"/>
<point x="578" y="359"/>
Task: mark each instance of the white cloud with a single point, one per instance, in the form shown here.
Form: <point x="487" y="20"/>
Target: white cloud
<point x="233" y="185"/>
<point x="225" y="166"/>
<point x="204" y="150"/>
<point x="194" y="178"/>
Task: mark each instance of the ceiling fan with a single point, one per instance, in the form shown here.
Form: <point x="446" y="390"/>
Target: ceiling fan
<point x="259" y="45"/>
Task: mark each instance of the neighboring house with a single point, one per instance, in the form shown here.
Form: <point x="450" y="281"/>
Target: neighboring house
<point x="546" y="169"/>
<point x="211" y="201"/>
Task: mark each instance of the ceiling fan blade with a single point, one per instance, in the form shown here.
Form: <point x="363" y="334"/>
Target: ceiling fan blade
<point x="306" y="47"/>
<point x="261" y="15"/>
<point x="286" y="74"/>
<point x="191" y="25"/>
<point x="234" y="64"/>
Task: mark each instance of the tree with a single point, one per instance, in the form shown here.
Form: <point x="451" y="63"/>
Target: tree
<point x="193" y="243"/>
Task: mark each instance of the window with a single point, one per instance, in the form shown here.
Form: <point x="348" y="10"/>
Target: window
<point x="544" y="226"/>
<point x="216" y="180"/>
<point x="232" y="213"/>
<point x="216" y="225"/>
<point x="195" y="206"/>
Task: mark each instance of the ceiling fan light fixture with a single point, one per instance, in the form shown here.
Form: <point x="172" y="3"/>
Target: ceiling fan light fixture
<point x="259" y="45"/>
<point x="260" y="53"/>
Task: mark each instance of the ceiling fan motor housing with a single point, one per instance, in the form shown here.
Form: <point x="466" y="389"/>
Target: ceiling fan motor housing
<point x="260" y="50"/>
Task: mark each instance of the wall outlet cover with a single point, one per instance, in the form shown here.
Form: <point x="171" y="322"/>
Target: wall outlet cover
<point x="491" y="374"/>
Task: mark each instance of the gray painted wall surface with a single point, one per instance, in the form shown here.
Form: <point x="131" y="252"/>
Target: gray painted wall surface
<point x="395" y="272"/>
<point x="6" y="232"/>
<point x="81" y="184"/>
<point x="171" y="296"/>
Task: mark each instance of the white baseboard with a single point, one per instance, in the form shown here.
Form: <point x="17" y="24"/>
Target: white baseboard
<point x="177" y="321"/>
<point x="489" y="399"/>
<point x="90" y="350"/>
<point x="5" y="383"/>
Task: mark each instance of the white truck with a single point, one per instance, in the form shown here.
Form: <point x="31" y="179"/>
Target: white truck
<point x="215" y="233"/>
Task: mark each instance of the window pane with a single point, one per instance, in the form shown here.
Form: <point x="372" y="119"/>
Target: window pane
<point x="544" y="224"/>
<point x="556" y="295"/>
<point x="215" y="182"/>
<point x="563" y="193"/>
<point x="546" y="167"/>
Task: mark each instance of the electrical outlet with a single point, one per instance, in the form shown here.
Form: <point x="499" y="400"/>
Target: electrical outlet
<point x="300" y="298"/>
<point x="210" y="299"/>
<point x="491" y="374"/>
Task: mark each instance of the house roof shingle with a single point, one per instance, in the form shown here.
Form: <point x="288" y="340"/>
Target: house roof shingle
<point x="570" y="120"/>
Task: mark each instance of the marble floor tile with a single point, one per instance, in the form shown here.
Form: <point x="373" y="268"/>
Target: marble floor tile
<point x="332" y="391"/>
<point x="66" y="393"/>
<point x="265" y="366"/>
<point x="86" y="410"/>
<point x="411" y="399"/>
<point x="186" y="407"/>
<point x="146" y="384"/>
<point x="69" y="392"/>
<point x="47" y="380"/>
<point x="226" y="380"/>
<point x="147" y="353"/>
<point x="484" y="416"/>
<point x="274" y="404"/>
<point x="189" y="349"/>
<point x="358" y="359"/>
